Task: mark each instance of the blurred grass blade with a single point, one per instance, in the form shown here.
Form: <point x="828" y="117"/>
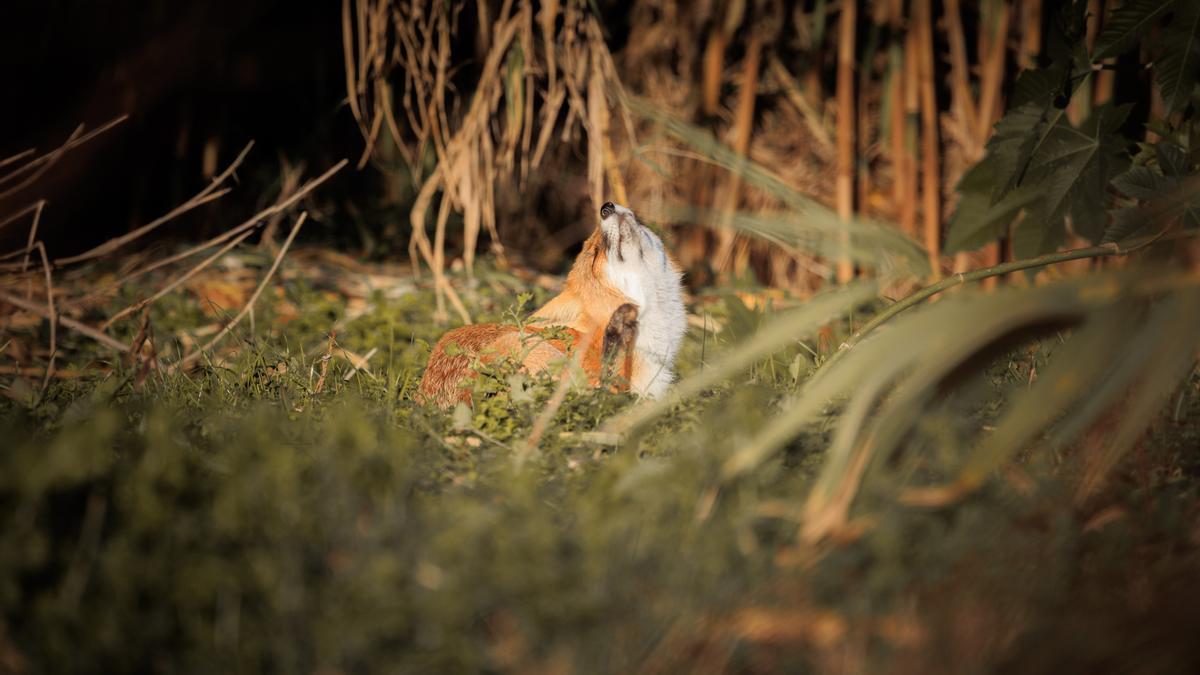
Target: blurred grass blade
<point x="1122" y="373"/>
<point x="786" y="328"/>
<point x="820" y="233"/>
<point x="1169" y="363"/>
<point x="1068" y="377"/>
<point x="807" y="216"/>
<point x="965" y="325"/>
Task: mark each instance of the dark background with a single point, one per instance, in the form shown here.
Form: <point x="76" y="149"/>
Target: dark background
<point x="188" y="74"/>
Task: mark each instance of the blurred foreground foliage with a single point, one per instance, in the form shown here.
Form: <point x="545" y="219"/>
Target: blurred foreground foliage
<point x="245" y="519"/>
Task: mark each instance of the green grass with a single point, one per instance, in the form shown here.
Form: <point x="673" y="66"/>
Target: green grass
<point x="236" y="520"/>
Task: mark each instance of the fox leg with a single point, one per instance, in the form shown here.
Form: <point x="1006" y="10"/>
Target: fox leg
<point x="620" y="334"/>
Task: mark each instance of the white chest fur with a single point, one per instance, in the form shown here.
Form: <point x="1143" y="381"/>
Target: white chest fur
<point x="645" y="274"/>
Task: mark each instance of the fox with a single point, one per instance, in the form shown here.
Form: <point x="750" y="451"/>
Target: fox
<point x="622" y="304"/>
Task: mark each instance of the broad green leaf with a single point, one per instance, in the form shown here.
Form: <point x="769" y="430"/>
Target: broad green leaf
<point x="1035" y="236"/>
<point x="1163" y="196"/>
<point x="1018" y="136"/>
<point x="994" y="191"/>
<point x="1142" y="182"/>
<point x="1177" y="69"/>
<point x="1127" y="24"/>
<point x="1067" y="176"/>
<point x="1172" y="158"/>
<point x="976" y="220"/>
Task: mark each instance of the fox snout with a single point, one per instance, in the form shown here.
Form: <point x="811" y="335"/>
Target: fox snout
<point x="620" y="231"/>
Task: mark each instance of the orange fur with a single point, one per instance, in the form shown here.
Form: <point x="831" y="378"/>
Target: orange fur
<point x="585" y="308"/>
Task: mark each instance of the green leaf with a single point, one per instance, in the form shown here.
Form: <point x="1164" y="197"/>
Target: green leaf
<point x="1068" y="175"/>
<point x="1177" y="69"/>
<point x="1142" y="182"/>
<point x="1166" y="192"/>
<point x="1172" y="158"/>
<point x="990" y="196"/>
<point x="1036" y="235"/>
<point x="1127" y="24"/>
<point x="1072" y="174"/>
<point x="1039" y="103"/>
<point x="976" y="220"/>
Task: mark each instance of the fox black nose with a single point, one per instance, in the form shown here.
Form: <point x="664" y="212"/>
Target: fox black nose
<point x="607" y="210"/>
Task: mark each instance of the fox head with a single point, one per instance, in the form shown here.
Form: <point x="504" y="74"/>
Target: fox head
<point x="623" y="261"/>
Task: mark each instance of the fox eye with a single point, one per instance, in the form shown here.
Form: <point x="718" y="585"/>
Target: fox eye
<point x="607" y="210"/>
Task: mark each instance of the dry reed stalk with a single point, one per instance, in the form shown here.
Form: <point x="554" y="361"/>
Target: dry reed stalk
<point x="39" y="206"/>
<point x="51" y="159"/>
<point x="931" y="179"/>
<point x="1105" y="79"/>
<point x="325" y="359"/>
<point x="206" y="195"/>
<point x="13" y="159"/>
<point x="52" y="313"/>
<point x="289" y="177"/>
<point x="46" y="161"/>
<point x="604" y="73"/>
<point x="492" y="133"/>
<point x="442" y="287"/>
<point x="597" y="130"/>
<point x="911" y="133"/>
<point x="1080" y="106"/>
<point x="228" y="327"/>
<point x="41" y="372"/>
<point x="247" y="225"/>
<point x="17" y="215"/>
<point x="1031" y="33"/>
<point x="178" y="281"/>
<point x="845" y="127"/>
<point x="963" y="104"/>
<point x="453" y="184"/>
<point x="897" y="123"/>
<point x="714" y="68"/>
<point x="993" y="36"/>
<point x="796" y="97"/>
<point x="65" y="322"/>
<point x="743" y="128"/>
<point x="352" y="86"/>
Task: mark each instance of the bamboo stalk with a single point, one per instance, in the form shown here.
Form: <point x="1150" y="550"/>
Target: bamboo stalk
<point x="1031" y="33"/>
<point x="962" y="101"/>
<point x="911" y="134"/>
<point x="899" y="147"/>
<point x="960" y="90"/>
<point x="931" y="178"/>
<point x="846" y="128"/>
<point x="993" y="43"/>
<point x="1105" y="79"/>
<point x="1081" y="103"/>
<point x="993" y="32"/>
<point x="743" y="128"/>
<point x="714" y="65"/>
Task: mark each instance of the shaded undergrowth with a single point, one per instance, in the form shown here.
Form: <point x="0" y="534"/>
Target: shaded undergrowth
<point x="282" y="509"/>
